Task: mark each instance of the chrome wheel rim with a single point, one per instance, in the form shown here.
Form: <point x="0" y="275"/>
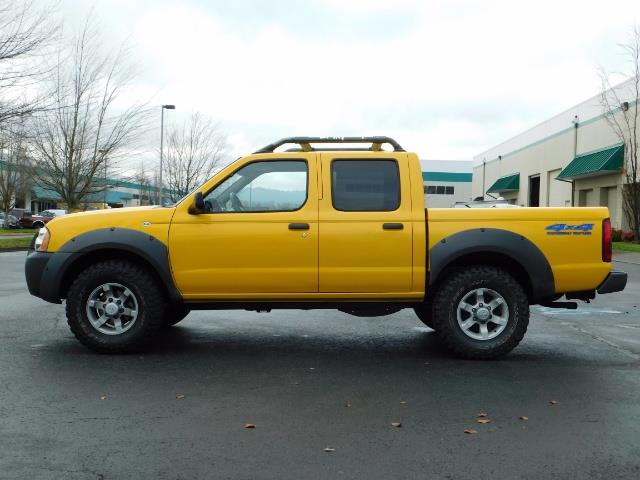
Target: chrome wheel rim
<point x="482" y="314"/>
<point x="112" y="309"/>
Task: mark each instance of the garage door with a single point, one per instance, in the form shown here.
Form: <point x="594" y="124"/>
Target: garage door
<point x="558" y="193"/>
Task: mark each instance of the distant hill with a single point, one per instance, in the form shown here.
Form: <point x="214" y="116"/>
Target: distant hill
<point x="261" y="197"/>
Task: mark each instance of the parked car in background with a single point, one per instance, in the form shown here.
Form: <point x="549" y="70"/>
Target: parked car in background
<point x="28" y="220"/>
<point x="495" y="203"/>
<point x="12" y="221"/>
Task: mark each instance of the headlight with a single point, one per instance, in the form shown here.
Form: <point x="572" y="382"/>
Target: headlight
<point x="42" y="240"/>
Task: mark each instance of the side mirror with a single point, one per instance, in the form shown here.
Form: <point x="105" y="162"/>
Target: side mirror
<point x="198" y="204"/>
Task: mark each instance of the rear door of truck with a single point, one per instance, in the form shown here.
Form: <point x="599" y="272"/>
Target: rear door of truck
<point x="365" y="218"/>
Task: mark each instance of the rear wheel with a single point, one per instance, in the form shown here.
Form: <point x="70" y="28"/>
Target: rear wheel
<point x="115" y="307"/>
<point x="481" y="312"/>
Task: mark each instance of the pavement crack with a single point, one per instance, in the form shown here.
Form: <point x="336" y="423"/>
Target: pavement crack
<point x="620" y="348"/>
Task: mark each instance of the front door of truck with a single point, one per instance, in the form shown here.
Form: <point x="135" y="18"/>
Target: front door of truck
<point x="258" y="236"/>
<point x="366" y="227"/>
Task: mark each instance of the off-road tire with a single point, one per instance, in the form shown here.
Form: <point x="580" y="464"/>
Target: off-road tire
<point x="453" y="288"/>
<point x="151" y="306"/>
<point x="425" y="313"/>
<point x="175" y="314"/>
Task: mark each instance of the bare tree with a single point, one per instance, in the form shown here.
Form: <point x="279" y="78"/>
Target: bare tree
<point x="144" y="192"/>
<point x="14" y="171"/>
<point x="74" y="140"/>
<point x="194" y="150"/>
<point x="25" y="32"/>
<point x="621" y="109"/>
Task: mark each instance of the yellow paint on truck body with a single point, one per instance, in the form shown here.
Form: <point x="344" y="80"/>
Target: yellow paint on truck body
<point x="66" y="227"/>
<point x="576" y="260"/>
<point x="240" y="256"/>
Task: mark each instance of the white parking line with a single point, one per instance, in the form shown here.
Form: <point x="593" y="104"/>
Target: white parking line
<point x="578" y="312"/>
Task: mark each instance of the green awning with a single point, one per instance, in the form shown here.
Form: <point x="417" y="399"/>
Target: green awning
<point x="508" y="183"/>
<point x="599" y="162"/>
<point x="110" y="197"/>
<point x="39" y="193"/>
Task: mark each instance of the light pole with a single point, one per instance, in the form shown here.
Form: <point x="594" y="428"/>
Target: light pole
<point x="104" y="152"/>
<point x="167" y="107"/>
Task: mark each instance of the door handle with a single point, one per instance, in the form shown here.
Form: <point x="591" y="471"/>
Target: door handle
<point x="298" y="226"/>
<point x="392" y="226"/>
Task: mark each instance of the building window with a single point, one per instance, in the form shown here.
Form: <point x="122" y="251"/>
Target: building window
<point x="439" y="190"/>
<point x="136" y="196"/>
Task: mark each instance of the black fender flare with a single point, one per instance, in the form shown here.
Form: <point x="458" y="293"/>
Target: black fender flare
<point x="134" y="242"/>
<point x="494" y="240"/>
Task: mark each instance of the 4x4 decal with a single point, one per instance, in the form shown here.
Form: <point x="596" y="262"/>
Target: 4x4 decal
<point x="567" y="229"/>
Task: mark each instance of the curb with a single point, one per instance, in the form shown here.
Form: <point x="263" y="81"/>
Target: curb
<point x="14" y="249"/>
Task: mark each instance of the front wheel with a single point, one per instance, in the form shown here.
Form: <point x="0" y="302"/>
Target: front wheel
<point x="115" y="307"/>
<point x="481" y="312"/>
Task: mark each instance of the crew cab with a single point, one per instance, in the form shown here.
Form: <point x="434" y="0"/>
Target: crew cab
<point x="321" y="227"/>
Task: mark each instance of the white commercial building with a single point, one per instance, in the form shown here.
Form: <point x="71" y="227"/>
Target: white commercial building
<point x="573" y="158"/>
<point x="446" y="182"/>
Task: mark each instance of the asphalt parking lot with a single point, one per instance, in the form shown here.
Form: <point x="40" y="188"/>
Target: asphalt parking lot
<point x="311" y="381"/>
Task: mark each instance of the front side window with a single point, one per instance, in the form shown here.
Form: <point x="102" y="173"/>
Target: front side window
<point x="365" y="185"/>
<point x="269" y="186"/>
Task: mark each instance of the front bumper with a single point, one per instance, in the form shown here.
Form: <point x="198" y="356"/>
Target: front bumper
<point x="615" y="282"/>
<point x="34" y="268"/>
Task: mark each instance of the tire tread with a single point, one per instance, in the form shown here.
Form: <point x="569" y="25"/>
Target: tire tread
<point x="146" y="283"/>
<point x="446" y="292"/>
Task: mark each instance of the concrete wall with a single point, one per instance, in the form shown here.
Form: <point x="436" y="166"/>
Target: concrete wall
<point x="545" y="150"/>
<point x="462" y="190"/>
<point x="462" y="193"/>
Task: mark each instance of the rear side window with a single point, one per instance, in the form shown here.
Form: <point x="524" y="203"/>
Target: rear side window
<point x="365" y="185"/>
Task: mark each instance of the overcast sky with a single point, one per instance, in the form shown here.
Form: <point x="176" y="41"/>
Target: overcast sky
<point x="447" y="79"/>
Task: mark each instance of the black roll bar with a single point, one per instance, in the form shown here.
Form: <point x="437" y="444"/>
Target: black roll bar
<point x="305" y="143"/>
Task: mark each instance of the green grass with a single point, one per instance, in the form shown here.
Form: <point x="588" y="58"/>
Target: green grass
<point x="626" y="247"/>
<point x="21" y="232"/>
<point x="7" y="243"/>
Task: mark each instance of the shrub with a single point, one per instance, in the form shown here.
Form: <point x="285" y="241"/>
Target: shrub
<point x="616" y="235"/>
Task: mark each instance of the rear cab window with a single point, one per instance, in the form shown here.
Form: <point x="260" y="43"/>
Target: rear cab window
<point x="365" y="185"/>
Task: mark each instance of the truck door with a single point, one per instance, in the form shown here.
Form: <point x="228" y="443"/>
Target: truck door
<point x="366" y="226"/>
<point x="258" y="236"/>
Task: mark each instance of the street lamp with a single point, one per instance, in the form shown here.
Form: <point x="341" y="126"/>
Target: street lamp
<point x="164" y="107"/>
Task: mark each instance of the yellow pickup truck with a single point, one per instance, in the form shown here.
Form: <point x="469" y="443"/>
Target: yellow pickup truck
<point x="317" y="226"/>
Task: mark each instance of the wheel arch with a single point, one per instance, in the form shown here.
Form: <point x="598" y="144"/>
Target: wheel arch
<point x="108" y="244"/>
<point x="81" y="262"/>
<point x="515" y="253"/>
